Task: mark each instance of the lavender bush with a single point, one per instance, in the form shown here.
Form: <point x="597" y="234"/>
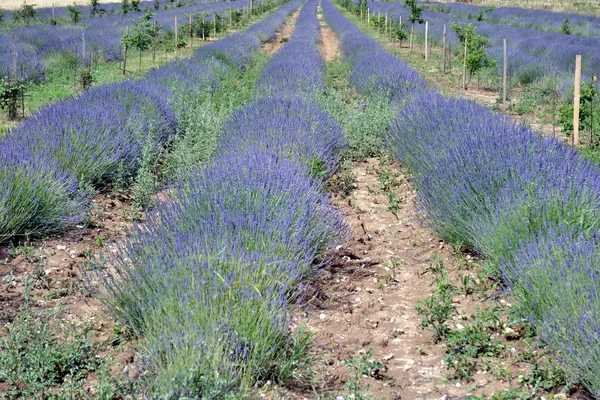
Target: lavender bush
<point x="208" y="278"/>
<point x="374" y="72"/>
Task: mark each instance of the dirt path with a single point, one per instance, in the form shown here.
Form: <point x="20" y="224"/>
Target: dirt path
<point x="366" y="301"/>
<point x="286" y="32"/>
<point x="330" y="44"/>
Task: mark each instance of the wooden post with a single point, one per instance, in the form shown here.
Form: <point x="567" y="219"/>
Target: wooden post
<point x="230" y="18"/>
<point x="412" y="31"/>
<point x="576" y="100"/>
<point x="153" y="43"/>
<point x="465" y="68"/>
<point x="361" y="15"/>
<point x="14" y="56"/>
<point x="379" y="21"/>
<point x="191" y="31"/>
<point x="203" y="34"/>
<point x="215" y="24"/>
<point x="386" y="23"/>
<point x="444" y="51"/>
<point x="426" y="40"/>
<point x="368" y="16"/>
<point x="53" y="14"/>
<point x="504" y="70"/>
<point x="176" y="37"/>
<point x="125" y="54"/>
<point x="83" y="47"/>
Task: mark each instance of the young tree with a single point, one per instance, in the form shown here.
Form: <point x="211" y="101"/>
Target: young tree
<point x="94" y="9"/>
<point x="566" y="27"/>
<point x="135" y="5"/>
<point x="476" y="45"/>
<point x="75" y="12"/>
<point x="156" y="4"/>
<point x="414" y="16"/>
<point x="26" y="13"/>
<point x="141" y="36"/>
<point x="125" y="6"/>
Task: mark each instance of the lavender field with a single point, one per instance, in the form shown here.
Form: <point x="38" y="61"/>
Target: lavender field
<point x="292" y="211"/>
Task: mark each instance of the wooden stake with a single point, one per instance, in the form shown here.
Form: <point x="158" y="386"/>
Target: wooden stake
<point x="386" y="22"/>
<point x="379" y="22"/>
<point x="465" y="68"/>
<point x="191" y="31"/>
<point x="412" y="31"/>
<point x="215" y="24"/>
<point x="504" y="70"/>
<point x="125" y="54"/>
<point x="53" y="14"/>
<point x="176" y="37"/>
<point x="576" y="100"/>
<point x="426" y="40"/>
<point x="444" y="51"/>
<point x="230" y="18"/>
<point x="14" y="56"/>
<point x="368" y="16"/>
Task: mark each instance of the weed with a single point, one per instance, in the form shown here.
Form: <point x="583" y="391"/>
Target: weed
<point x="363" y="366"/>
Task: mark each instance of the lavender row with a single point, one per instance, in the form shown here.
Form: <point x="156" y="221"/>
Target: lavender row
<point x="374" y="72"/>
<point x="208" y="279"/>
<point x="49" y="161"/>
<point x="580" y="24"/>
<point x="529" y="204"/>
<point x="534" y="56"/>
<point x="36" y="44"/>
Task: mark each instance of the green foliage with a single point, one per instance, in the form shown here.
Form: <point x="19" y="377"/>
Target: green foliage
<point x="74" y="12"/>
<point x="86" y="78"/>
<point x="94" y="7"/>
<point x="26" y="14"/>
<point x="10" y="94"/>
<point x="466" y="347"/>
<point x="125" y="6"/>
<point x="202" y="116"/>
<point x="437" y="310"/>
<point x="398" y="31"/>
<point x="589" y="112"/>
<point x="566" y="27"/>
<point x="156" y="4"/>
<point x="32" y="360"/>
<point x="415" y="11"/>
<point x="483" y="13"/>
<point x="135" y="5"/>
<point x="364" y="121"/>
<point x="363" y="366"/>
<point x="389" y="182"/>
<point x="476" y="45"/>
<point x="143" y="35"/>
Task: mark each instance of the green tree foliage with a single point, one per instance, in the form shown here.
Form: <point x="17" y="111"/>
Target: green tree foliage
<point x="94" y="9"/>
<point x="589" y="113"/>
<point x="26" y="14"/>
<point x="476" y="45"/>
<point x="415" y="11"/>
<point x="566" y="27"/>
<point x="142" y="36"/>
<point x="135" y="5"/>
<point x="75" y="13"/>
<point x="10" y="93"/>
<point x="125" y="6"/>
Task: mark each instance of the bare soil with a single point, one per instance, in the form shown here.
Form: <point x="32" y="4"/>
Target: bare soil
<point x="286" y="32"/>
<point x="16" y="4"/>
<point x="330" y="44"/>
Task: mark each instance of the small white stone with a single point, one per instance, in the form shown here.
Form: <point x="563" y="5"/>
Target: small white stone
<point x="357" y="300"/>
<point x="460" y="327"/>
<point x="388" y="357"/>
<point x="61" y="247"/>
<point x="322" y="316"/>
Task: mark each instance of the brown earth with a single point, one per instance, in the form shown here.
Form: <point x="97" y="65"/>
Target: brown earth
<point x="361" y="301"/>
<point x="286" y="32"/>
<point x="16" y="4"/>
